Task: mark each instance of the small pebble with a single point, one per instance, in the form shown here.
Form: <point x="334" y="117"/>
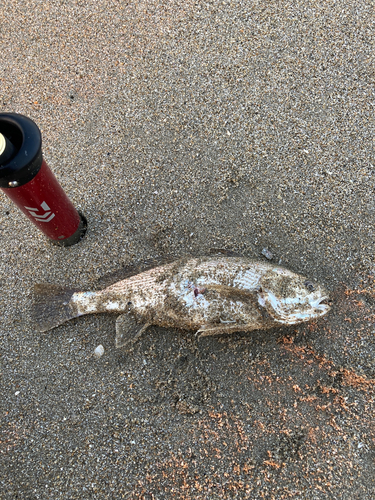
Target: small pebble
<point x="99" y="351"/>
<point x="268" y="255"/>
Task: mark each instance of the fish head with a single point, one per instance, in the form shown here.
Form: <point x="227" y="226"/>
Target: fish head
<point x="290" y="298"/>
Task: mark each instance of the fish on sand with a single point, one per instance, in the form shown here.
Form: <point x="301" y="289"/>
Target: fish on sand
<point x="209" y="295"/>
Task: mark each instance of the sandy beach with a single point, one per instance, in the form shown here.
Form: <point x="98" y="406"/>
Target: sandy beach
<point x="177" y="127"/>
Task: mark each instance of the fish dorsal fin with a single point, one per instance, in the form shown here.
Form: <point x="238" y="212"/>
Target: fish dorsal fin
<point x="132" y="270"/>
<point x="147" y="264"/>
<point x="224" y="251"/>
<point x="128" y="330"/>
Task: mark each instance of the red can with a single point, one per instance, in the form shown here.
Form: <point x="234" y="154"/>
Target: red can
<point x="28" y="181"/>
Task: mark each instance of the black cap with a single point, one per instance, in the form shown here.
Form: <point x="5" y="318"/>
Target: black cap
<point x="25" y="160"/>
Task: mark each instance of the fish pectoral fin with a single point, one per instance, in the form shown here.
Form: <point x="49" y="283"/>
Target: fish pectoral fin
<point x="230" y="292"/>
<point x="128" y="330"/>
<point x="215" y="329"/>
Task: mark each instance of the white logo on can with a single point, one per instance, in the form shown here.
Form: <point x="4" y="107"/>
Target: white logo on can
<point x="45" y="217"/>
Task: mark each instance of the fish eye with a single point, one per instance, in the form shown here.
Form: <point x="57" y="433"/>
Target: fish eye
<point x="309" y="286"/>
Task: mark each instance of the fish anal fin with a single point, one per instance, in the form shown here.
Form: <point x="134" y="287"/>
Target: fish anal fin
<point x="215" y="329"/>
<point x="210" y="330"/>
<point x="128" y="330"/>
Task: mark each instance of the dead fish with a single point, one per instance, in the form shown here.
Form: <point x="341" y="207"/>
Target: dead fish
<point x="210" y="295"/>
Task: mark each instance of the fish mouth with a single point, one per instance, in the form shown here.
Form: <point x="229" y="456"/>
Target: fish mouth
<point x="322" y="304"/>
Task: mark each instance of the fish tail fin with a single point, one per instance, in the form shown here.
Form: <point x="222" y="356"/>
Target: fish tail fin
<point x="52" y="306"/>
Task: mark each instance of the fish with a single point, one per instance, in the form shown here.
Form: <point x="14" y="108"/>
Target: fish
<point x="210" y="295"/>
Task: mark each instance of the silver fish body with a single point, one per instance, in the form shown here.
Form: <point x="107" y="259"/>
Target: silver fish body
<point x="210" y="295"/>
